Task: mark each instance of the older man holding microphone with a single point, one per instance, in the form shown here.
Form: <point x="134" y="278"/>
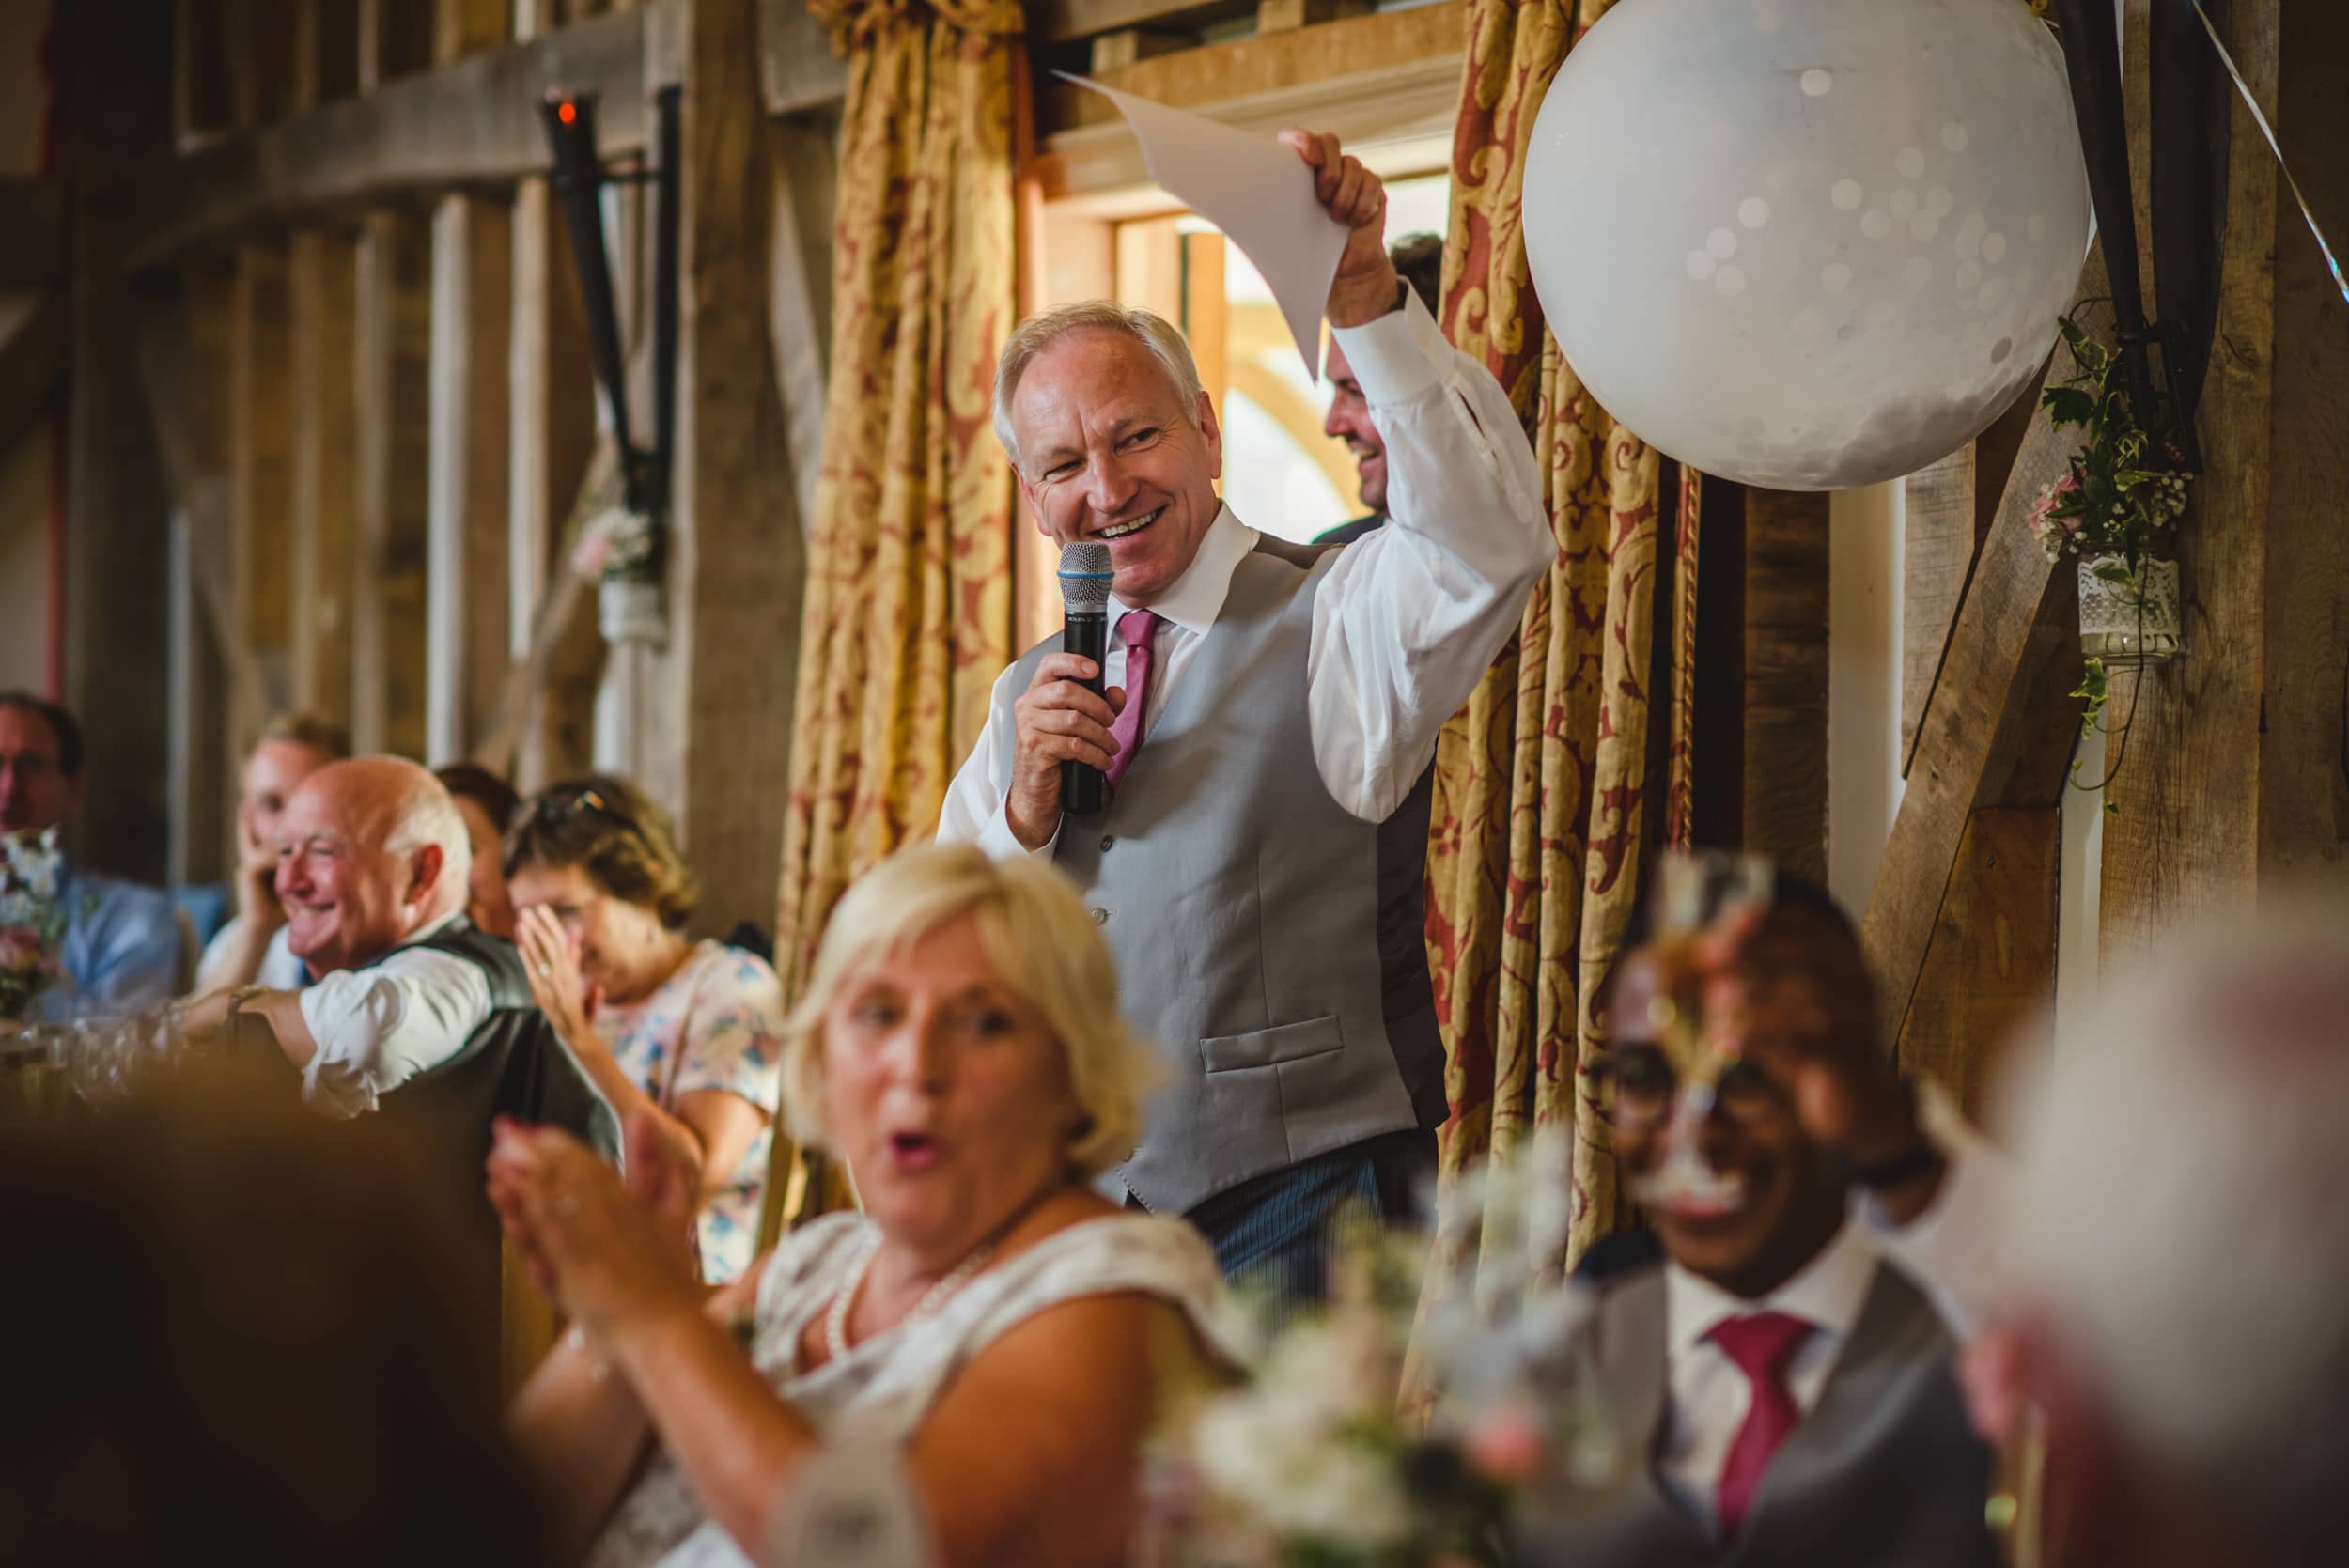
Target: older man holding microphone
<point x="1266" y="719"/>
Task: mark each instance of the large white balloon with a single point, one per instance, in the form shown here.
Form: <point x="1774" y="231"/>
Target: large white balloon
<point x="1807" y="244"/>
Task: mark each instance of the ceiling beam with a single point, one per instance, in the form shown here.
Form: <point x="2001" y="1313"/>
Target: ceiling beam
<point x="32" y="363"/>
<point x="473" y="122"/>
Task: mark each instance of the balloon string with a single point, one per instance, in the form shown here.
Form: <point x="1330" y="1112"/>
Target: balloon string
<point x="2268" y="131"/>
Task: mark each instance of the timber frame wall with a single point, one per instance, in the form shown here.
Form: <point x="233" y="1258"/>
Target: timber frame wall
<point x="329" y="412"/>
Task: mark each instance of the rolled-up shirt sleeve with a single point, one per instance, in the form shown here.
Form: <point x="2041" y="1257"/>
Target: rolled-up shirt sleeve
<point x="1411" y="614"/>
<point x="377" y="1028"/>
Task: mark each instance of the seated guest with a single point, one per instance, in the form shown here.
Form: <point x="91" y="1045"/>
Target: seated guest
<point x="987" y="1342"/>
<point x="2180" y="1315"/>
<point x="122" y="946"/>
<point x="371" y="871"/>
<point x="415" y="1014"/>
<point x="1783" y="1378"/>
<point x="251" y="948"/>
<point x="487" y="803"/>
<point x="228" y="1340"/>
<point x="688" y="1033"/>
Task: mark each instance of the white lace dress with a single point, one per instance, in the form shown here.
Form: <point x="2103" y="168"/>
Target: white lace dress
<point x="879" y="1393"/>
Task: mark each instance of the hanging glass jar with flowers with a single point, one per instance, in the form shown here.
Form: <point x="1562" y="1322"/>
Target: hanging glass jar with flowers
<point x="2115" y="510"/>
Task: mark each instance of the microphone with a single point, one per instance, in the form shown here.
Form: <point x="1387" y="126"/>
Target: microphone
<point x="1085" y="592"/>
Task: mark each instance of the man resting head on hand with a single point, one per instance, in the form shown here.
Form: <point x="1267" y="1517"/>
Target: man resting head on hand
<point x="372" y="861"/>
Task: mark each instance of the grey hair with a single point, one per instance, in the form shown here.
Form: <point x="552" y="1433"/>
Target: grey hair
<point x="2185" y="1158"/>
<point x="1041" y="331"/>
<point x="422" y="811"/>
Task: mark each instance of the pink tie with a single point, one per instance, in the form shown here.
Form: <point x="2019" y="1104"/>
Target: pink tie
<point x="1762" y="1344"/>
<point x="1140" y="630"/>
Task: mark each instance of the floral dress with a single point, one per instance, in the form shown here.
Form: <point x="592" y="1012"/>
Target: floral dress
<point x="716" y="1023"/>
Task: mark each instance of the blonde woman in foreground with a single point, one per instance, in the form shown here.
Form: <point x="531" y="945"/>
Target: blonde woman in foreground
<point x="989" y="1338"/>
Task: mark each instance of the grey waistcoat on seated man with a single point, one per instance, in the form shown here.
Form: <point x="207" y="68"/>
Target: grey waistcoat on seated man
<point x="1268" y="942"/>
<point x="1884" y="1470"/>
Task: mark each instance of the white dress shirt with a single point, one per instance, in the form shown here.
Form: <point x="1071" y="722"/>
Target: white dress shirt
<point x="1949" y="1252"/>
<point x="1409" y="617"/>
<point x="379" y="1027"/>
<point x="280" y="970"/>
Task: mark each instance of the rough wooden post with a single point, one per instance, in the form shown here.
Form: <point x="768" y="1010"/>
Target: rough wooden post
<point x="392" y="346"/>
<point x="324" y="282"/>
<point x="115" y="64"/>
<point x="2234" y="778"/>
<point x="467" y="551"/>
<point x="261" y="498"/>
<point x="720" y="714"/>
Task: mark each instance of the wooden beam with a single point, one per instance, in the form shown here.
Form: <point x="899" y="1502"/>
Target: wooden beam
<point x="1991" y="960"/>
<point x="462" y="27"/>
<point x="1283" y="16"/>
<point x="2005" y="632"/>
<point x="113" y="63"/>
<point x="471" y="123"/>
<point x="203" y="93"/>
<point x="1061" y="21"/>
<point x="393" y="344"/>
<point x="33" y="360"/>
<point x="1287" y="61"/>
<point x="32" y="215"/>
<point x="261" y="539"/>
<point x="2233" y="778"/>
<point x="553" y="436"/>
<point x="323" y="277"/>
<point x="1784" y="797"/>
<point x="804" y="161"/>
<point x="1937" y="555"/>
<point x="468" y="515"/>
<point x="797" y="68"/>
<point x="394" y="40"/>
<point x="1949" y="506"/>
<point x="183" y="372"/>
<point x="1382" y="78"/>
<point x="326" y="52"/>
<point x="725" y="682"/>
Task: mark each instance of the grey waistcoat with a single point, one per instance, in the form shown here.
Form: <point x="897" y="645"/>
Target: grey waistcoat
<point x="1268" y="942"/>
<point x="1884" y="1470"/>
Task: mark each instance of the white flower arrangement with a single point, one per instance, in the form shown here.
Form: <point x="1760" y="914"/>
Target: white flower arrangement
<point x="32" y="918"/>
<point x="1323" y="1459"/>
<point x="615" y="544"/>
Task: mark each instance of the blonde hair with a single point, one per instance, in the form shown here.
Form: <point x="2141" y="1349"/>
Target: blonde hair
<point x="1041" y="331"/>
<point x="316" y="731"/>
<point x="1044" y="949"/>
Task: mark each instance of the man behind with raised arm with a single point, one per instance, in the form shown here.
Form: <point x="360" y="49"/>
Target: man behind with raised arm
<point x="1269" y="730"/>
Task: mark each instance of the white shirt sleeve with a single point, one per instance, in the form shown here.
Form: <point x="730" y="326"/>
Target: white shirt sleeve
<point x="1955" y="1252"/>
<point x="378" y="1028"/>
<point x="975" y="801"/>
<point x="1411" y="614"/>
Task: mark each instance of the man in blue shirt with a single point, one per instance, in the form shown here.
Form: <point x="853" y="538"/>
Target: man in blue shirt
<point x="122" y="946"/>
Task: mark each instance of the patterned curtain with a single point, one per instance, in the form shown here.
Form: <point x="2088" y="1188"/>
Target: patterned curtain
<point x="908" y="585"/>
<point x="1544" y="799"/>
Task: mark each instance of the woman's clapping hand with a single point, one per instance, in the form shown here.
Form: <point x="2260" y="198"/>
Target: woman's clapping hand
<point x="609" y="1252"/>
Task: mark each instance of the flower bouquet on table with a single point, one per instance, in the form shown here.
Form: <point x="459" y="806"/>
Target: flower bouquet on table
<point x="32" y="919"/>
<point x="1407" y="1424"/>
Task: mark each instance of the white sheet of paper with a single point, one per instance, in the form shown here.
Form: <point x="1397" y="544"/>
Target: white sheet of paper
<point x="1258" y="191"/>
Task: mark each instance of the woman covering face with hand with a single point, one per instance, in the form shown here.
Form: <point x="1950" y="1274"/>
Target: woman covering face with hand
<point x="989" y="1338"/>
<point x="686" y="1034"/>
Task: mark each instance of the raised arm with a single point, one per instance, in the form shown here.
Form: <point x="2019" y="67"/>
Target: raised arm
<point x="1411" y="615"/>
